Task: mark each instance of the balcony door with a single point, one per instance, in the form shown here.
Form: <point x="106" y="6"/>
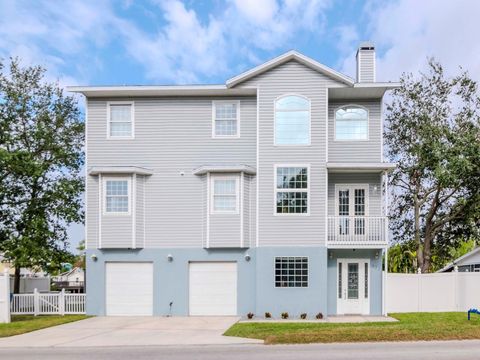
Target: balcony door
<point x="351" y="208"/>
<point x="353" y="285"/>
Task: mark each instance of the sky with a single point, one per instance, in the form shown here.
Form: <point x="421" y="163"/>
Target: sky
<point x="101" y="42"/>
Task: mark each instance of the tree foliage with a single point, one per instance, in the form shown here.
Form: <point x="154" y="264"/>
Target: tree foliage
<point x="433" y="134"/>
<point x="41" y="140"/>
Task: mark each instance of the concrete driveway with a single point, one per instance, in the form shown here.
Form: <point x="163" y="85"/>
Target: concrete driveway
<point x="132" y="331"/>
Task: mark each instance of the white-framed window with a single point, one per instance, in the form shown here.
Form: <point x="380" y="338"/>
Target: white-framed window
<point x="292" y="120"/>
<point x="224" y="194"/>
<point x="351" y="123"/>
<point x="117" y="195"/>
<point x="292" y="189"/>
<point x="226" y="119"/>
<point x="291" y="271"/>
<point x="351" y="203"/>
<point x="120" y="120"/>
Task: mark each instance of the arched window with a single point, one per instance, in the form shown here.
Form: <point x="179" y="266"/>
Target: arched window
<point x="292" y="120"/>
<point x="351" y="123"/>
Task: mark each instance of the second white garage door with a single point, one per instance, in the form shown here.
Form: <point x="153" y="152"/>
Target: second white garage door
<point x="129" y="288"/>
<point x="213" y="288"/>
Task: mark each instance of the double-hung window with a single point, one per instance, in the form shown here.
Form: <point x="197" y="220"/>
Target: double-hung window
<point x="351" y="123"/>
<point x="226" y="119"/>
<point x="292" y="120"/>
<point x="291" y="271"/>
<point x="120" y="120"/>
<point x="291" y="190"/>
<point x="117" y="196"/>
<point x="225" y="196"/>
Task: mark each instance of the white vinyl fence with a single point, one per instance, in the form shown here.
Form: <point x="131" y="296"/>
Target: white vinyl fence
<point x="4" y="297"/>
<point x="454" y="291"/>
<point x="48" y="304"/>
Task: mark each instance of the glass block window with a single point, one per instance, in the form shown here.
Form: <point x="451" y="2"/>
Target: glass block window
<point x="351" y="123"/>
<point x="291" y="271"/>
<point x="116" y="196"/>
<point x="291" y="190"/>
<point x="292" y="120"/>
<point x="120" y="121"/>
<point x="224" y="194"/>
<point x="226" y="119"/>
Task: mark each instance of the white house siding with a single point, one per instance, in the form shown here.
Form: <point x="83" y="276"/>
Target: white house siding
<point x="292" y="78"/>
<point x="356" y="151"/>
<point x="173" y="136"/>
<point x="366" y="72"/>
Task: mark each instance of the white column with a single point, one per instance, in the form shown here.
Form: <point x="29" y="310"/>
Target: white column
<point x="36" y="302"/>
<point x="5" y="297"/>
<point x="61" y="302"/>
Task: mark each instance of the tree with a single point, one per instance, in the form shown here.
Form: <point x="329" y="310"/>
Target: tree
<point x="80" y="258"/>
<point x="433" y="134"/>
<point x="41" y="140"/>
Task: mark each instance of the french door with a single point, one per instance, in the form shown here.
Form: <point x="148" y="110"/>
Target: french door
<point x="351" y="209"/>
<point x="353" y="286"/>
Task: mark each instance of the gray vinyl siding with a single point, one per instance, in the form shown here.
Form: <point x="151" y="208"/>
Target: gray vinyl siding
<point x="91" y="214"/>
<point x="284" y="230"/>
<point x="356" y="151"/>
<point x="374" y="196"/>
<point x="173" y="136"/>
<point x="366" y="68"/>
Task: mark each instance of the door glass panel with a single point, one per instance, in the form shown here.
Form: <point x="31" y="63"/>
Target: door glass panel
<point x="352" y="289"/>
<point x="366" y="280"/>
<point x="359" y="208"/>
<point x="343" y="211"/>
<point x="339" y="280"/>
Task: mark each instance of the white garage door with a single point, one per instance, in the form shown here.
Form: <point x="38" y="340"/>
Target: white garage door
<point x="129" y="288"/>
<point x="213" y="288"/>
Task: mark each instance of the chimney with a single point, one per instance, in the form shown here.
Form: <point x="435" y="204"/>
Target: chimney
<point x="366" y="63"/>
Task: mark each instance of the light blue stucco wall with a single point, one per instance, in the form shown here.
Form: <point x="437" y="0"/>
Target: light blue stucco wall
<point x="375" y="276"/>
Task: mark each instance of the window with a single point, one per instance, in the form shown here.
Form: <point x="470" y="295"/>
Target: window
<point x="120" y="120"/>
<point x="224" y="194"/>
<point x="351" y="123"/>
<point x="117" y="193"/>
<point x="292" y="120"/>
<point x="291" y="191"/>
<point x="226" y="119"/>
<point x="291" y="271"/>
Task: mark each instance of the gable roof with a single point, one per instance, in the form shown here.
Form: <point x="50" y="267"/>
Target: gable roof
<point x="454" y="262"/>
<point x="279" y="60"/>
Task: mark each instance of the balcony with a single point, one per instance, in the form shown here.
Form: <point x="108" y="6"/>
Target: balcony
<point x="357" y="231"/>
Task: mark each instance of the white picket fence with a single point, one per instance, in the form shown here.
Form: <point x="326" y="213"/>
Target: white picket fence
<point x="453" y="291"/>
<point x="47" y="304"/>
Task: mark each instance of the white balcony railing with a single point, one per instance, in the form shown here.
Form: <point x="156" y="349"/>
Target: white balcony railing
<point x="366" y="231"/>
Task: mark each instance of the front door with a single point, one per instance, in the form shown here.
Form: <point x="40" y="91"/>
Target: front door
<point x="353" y="286"/>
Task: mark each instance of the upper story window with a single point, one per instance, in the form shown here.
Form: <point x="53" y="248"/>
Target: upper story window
<point x="224" y="194"/>
<point x="292" y="120"/>
<point x="226" y="119"/>
<point x="351" y="123"/>
<point x="120" y="120"/>
<point x="117" y="196"/>
<point x="291" y="190"/>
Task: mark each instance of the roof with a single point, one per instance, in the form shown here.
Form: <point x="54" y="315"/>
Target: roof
<point x="95" y="170"/>
<point x="361" y="167"/>
<point x="224" y="169"/>
<point x="454" y="262"/>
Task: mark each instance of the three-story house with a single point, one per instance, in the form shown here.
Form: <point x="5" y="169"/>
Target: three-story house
<point x="266" y="194"/>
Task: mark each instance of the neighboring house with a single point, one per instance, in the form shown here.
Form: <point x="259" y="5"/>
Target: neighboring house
<point x="264" y="194"/>
<point x="470" y="262"/>
<point x="71" y="281"/>
<point x="30" y="279"/>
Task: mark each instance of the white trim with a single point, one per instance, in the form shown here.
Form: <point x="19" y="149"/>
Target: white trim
<point x="359" y="78"/>
<point x="242" y="200"/>
<point x="132" y="117"/>
<point x="381" y="130"/>
<point x="104" y="196"/>
<point x="351" y="188"/>
<point x="326" y="207"/>
<point x="257" y="196"/>
<point x="275" y="190"/>
<point x="85" y="230"/>
<point x="275" y="119"/>
<point x="144" y="212"/>
<point x="214" y="104"/>
<point x="290" y="55"/>
<point x="327" y="125"/>
<point x="335" y="123"/>
<point x="134" y="217"/>
<point x="207" y="245"/>
<point x="291" y="287"/>
<point x="384" y="285"/>
<point x="100" y="206"/>
<point x="214" y="177"/>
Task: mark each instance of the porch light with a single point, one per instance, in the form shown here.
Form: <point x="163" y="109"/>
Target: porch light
<point x="94" y="257"/>
<point x="330" y="255"/>
<point x="376" y="255"/>
<point x="247" y="257"/>
<point x="170" y="257"/>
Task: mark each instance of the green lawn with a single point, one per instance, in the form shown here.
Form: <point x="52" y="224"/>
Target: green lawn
<point x="410" y="327"/>
<point x="25" y="323"/>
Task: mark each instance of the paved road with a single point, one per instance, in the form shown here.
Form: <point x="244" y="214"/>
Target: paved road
<point x="457" y="350"/>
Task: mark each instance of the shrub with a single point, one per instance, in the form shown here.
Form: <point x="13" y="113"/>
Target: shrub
<point x="319" y="316"/>
<point x="285" y="315"/>
<point x="268" y="315"/>
<point x="250" y="315"/>
<point x="303" y="316"/>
